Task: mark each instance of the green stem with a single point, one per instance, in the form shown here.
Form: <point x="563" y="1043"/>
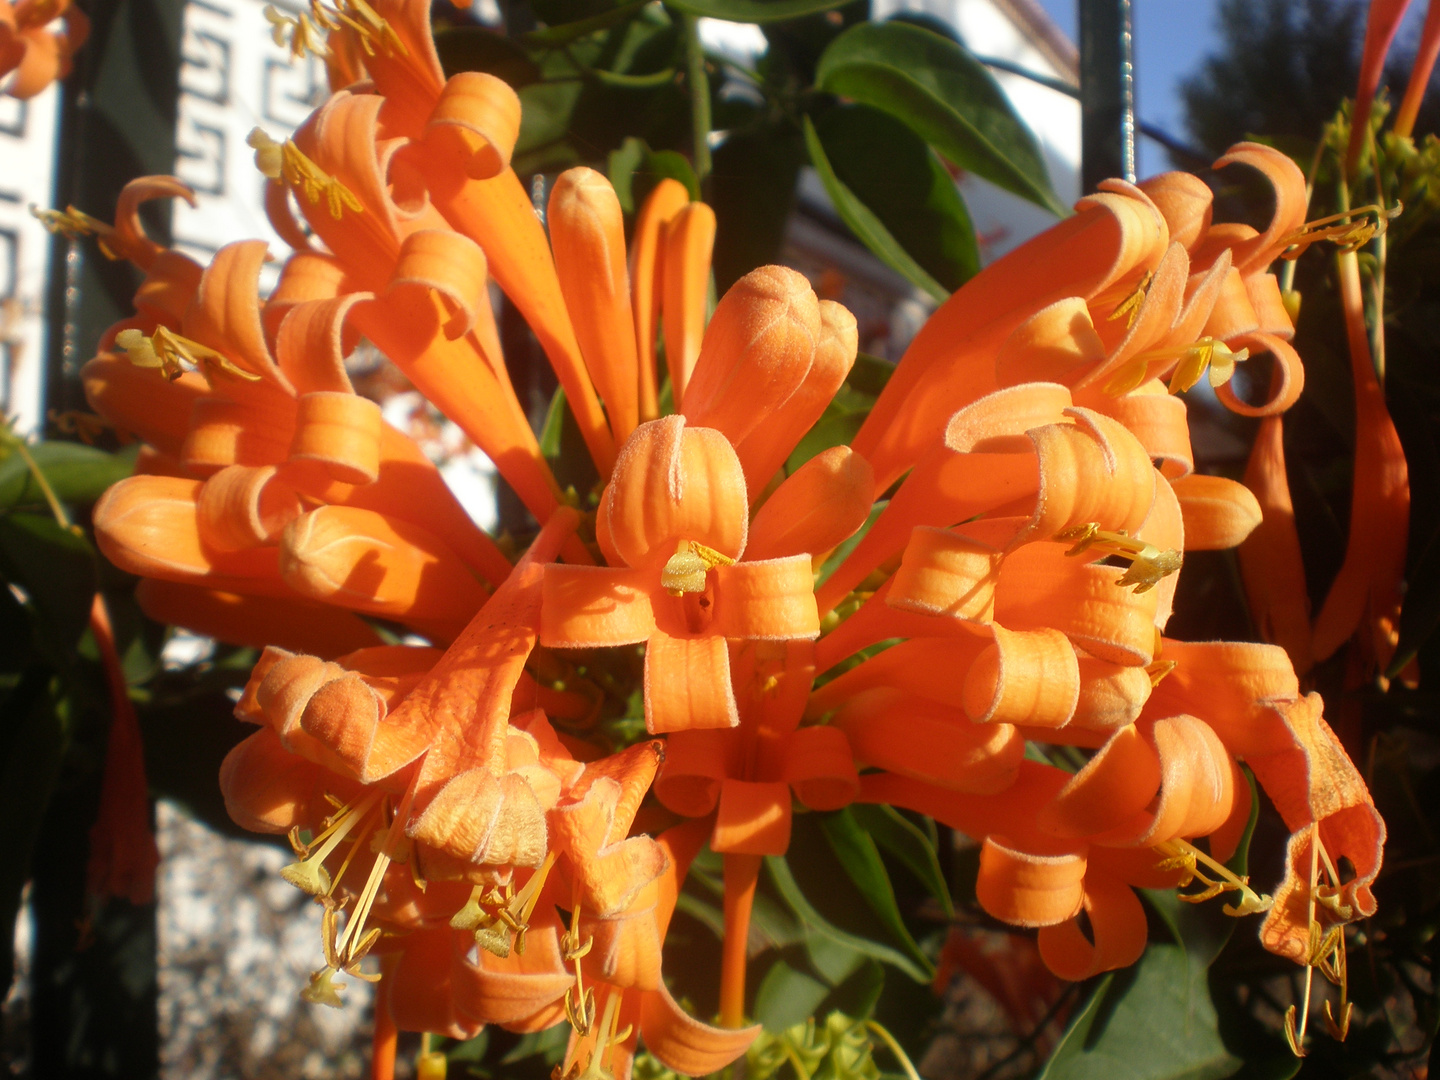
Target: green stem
<point x="699" y="84"/>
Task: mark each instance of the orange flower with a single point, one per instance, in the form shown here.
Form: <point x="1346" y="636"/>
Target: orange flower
<point x="32" y="55"/>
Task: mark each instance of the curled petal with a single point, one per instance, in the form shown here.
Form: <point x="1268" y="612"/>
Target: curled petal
<point x="483" y="115"/>
<point x="1286" y="386"/>
<point x="1029" y="677"/>
<point x="1233" y="314"/>
<point x="945" y="572"/>
<point x="687" y="684"/>
<point x="1291" y="197"/>
<point x="1040" y="586"/>
<point x="268" y="789"/>
<point x="695" y="764"/>
<point x="1111" y="695"/>
<point x="925" y="666"/>
<point x="450" y="264"/>
<point x="1115" y="784"/>
<point x="772" y="600"/>
<point x="1093" y="470"/>
<point x="1186" y="203"/>
<point x="1232" y="686"/>
<point x="672" y="483"/>
<point x="341" y="432"/>
<point x="1026" y="889"/>
<point x="1158" y="419"/>
<point x="589" y="606"/>
<point x="224" y="432"/>
<point x="360" y="559"/>
<point x="817" y="762"/>
<point x="1117" y="924"/>
<point x="242" y="507"/>
<point x="155" y="409"/>
<point x="510" y="990"/>
<point x="684" y="1043"/>
<point x="1057" y="344"/>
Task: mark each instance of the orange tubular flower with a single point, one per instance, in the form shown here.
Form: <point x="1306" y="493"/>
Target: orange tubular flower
<point x="674" y="519"/>
<point x="32" y="54"/>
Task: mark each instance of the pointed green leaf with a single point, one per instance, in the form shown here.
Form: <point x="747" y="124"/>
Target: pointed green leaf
<point x="904" y="840"/>
<point x="856" y="850"/>
<point x="946" y="96"/>
<point x="891" y="170"/>
<point x="75" y="472"/>
<point x="865" y="224"/>
<point x="790" y="890"/>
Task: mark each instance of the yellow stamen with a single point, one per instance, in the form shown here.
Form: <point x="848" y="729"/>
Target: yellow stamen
<point x="579" y="1001"/>
<point x="285" y="161"/>
<point x="509" y="918"/>
<point x="1182" y="855"/>
<point x="1194" y="359"/>
<point x="173" y="355"/>
<point x="76" y="223"/>
<point x="302" y="33"/>
<point x="686" y="569"/>
<point x="309" y="874"/>
<point x="1158" y="670"/>
<point x="1350" y="230"/>
<point x="1148" y="564"/>
<point x="1129" y="308"/>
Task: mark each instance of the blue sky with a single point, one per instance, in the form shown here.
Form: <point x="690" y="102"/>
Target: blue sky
<point x="1172" y="37"/>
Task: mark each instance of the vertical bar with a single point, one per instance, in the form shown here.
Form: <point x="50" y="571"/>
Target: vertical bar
<point x="1107" y="92"/>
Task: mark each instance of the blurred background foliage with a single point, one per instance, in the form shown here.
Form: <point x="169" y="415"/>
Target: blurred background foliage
<point x="858" y="933"/>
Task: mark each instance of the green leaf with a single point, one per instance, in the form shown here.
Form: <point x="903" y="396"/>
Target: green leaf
<point x="76" y="473"/>
<point x="946" y="96"/>
<point x="907" y="842"/>
<point x="858" y="854"/>
<point x="635" y="169"/>
<point x="789" y="889"/>
<point x="752" y="190"/>
<point x="790" y="996"/>
<point x="473" y="48"/>
<point x="863" y="222"/>
<point x="566" y="32"/>
<point x="32" y="745"/>
<point x="1154" y="1021"/>
<point x="56" y="570"/>
<point x="755" y="11"/>
<point x="891" y="170"/>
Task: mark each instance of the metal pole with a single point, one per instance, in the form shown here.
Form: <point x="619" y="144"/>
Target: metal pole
<point x="1107" y="92"/>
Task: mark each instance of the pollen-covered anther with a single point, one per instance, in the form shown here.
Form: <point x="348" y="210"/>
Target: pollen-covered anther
<point x="303" y="33"/>
<point x="76" y="223"/>
<point x="1149" y="565"/>
<point x="309" y="874"/>
<point x="1194" y="360"/>
<point x="285" y="161"/>
<point x="499" y="918"/>
<point x="1215" y="878"/>
<point x="685" y="571"/>
<point x="173" y="355"/>
<point x="1350" y="230"/>
<point x="579" y="999"/>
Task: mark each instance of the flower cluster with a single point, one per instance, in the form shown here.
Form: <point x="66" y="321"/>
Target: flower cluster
<point x="1036" y="493"/>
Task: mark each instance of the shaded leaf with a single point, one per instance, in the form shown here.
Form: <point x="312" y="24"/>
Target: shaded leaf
<point x="904" y="840"/>
<point x="635" y="169"/>
<point x="755" y="11"/>
<point x="1154" y="1021"/>
<point x="752" y="190"/>
<point x="76" y="473"/>
<point x="56" y="570"/>
<point x="473" y="48"/>
<point x="891" y="170"/>
<point x="789" y="889"/>
<point x="946" y="96"/>
<point x="863" y="222"/>
<point x="860" y="857"/>
<point x="565" y="32"/>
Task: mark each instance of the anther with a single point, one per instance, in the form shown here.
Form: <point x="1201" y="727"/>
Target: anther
<point x="685" y="571"/>
<point x="1149" y="565"/>
<point x="172" y="355"/>
<point x="1129" y="308"/>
